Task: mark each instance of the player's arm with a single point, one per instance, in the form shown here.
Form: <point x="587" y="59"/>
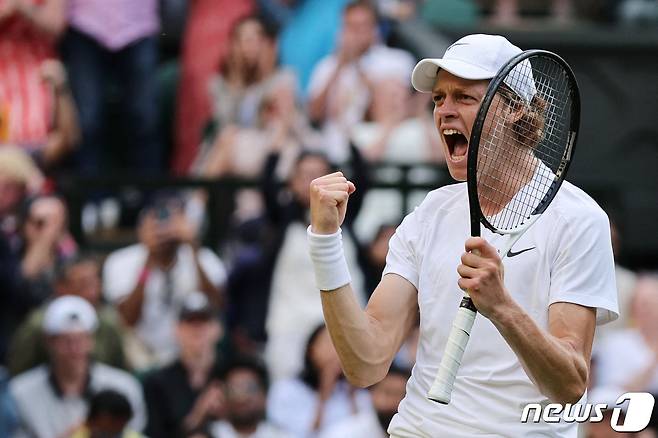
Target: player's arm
<point x="366" y="340"/>
<point x="557" y="360"/>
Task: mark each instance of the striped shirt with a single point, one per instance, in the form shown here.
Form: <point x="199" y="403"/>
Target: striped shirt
<point x="26" y="102"/>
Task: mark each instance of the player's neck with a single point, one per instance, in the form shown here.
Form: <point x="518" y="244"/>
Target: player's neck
<point x="494" y="196"/>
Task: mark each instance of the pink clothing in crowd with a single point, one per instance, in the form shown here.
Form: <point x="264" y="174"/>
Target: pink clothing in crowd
<point x="115" y="24"/>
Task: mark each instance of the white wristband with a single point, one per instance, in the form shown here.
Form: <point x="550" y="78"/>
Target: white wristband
<point x="329" y="262"/>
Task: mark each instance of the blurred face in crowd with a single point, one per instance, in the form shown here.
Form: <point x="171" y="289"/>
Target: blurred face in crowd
<point x="279" y="104"/>
<point x="391" y="101"/>
<point x="197" y="336"/>
<point x="249" y="42"/>
<point x="245" y="398"/>
<point x="386" y="397"/>
<point x="82" y="279"/>
<point x="70" y="350"/>
<point x="160" y="227"/>
<point x="359" y="29"/>
<point x="47" y="214"/>
<point x="308" y="169"/>
<point x="12" y="193"/>
<point x="456" y="104"/>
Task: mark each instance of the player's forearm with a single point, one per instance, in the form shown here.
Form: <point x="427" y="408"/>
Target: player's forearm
<point x="552" y="364"/>
<point x="364" y="351"/>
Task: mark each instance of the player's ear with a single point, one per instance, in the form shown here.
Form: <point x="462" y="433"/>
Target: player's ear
<point x="516" y="111"/>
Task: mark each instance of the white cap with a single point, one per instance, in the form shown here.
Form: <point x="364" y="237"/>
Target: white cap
<point x="476" y="57"/>
<point x="68" y="314"/>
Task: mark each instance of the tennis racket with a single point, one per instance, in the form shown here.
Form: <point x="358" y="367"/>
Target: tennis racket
<point x="520" y="149"/>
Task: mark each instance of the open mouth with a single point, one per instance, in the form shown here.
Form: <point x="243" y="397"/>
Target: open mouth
<point x="457" y="144"/>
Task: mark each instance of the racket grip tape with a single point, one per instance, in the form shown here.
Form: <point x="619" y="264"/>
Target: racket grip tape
<point x="452" y="356"/>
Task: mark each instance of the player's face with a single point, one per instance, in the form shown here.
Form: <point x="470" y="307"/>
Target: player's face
<point x="456" y="103"/>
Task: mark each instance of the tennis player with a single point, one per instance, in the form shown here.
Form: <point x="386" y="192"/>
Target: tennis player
<point x="533" y="340"/>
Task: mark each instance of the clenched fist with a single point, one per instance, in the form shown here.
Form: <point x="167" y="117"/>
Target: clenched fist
<point x="329" y="195"/>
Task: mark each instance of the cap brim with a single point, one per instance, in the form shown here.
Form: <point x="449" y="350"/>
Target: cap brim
<point x="424" y="75"/>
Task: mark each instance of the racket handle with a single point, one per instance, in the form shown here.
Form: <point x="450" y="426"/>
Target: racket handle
<point x="454" y="351"/>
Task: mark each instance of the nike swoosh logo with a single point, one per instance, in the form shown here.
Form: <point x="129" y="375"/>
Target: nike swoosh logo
<point x="514" y="254"/>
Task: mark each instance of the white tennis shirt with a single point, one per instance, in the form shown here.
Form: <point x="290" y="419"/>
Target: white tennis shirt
<point x="570" y="261"/>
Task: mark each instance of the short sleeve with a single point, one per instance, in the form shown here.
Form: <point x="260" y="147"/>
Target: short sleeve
<point x="403" y="257"/>
<point x="583" y="271"/>
<point x="212" y="267"/>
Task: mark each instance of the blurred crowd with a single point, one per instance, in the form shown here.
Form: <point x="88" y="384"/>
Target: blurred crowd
<point x="172" y="335"/>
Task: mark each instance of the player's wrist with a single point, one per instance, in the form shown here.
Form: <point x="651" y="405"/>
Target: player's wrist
<point x="326" y="251"/>
<point x="504" y="314"/>
<point x="324" y="229"/>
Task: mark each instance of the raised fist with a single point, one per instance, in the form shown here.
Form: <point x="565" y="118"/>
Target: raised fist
<point x="329" y="195"/>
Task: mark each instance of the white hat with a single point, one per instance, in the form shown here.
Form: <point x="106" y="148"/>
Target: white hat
<point x="69" y="313"/>
<point x="476" y="57"/>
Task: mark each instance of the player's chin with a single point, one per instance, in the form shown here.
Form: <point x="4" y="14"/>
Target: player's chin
<point x="457" y="169"/>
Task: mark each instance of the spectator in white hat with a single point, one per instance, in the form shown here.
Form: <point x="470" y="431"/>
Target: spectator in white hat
<point x="52" y="400"/>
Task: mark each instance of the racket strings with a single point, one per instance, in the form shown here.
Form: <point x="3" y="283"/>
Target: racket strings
<point x="523" y="142"/>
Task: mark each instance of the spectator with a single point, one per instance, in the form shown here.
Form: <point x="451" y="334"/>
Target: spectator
<point x="79" y="276"/>
<point x="294" y="310"/>
<point x="205" y="44"/>
<point x="183" y="396"/>
<point x="339" y="90"/>
<point x="246" y="75"/>
<point x="109" y="414"/>
<point x="280" y="126"/>
<point x="241" y="151"/>
<point x="36" y="109"/>
<point x="115" y="39"/>
<point x="386" y="396"/>
<point x="52" y="400"/>
<point x="46" y="242"/>
<point x="637" y="368"/>
<point x="246" y="395"/>
<point x="19" y="177"/>
<point x="148" y="281"/>
<point x="320" y="396"/>
<point x="401" y="131"/>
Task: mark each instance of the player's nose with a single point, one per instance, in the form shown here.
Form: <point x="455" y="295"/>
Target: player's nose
<point x="447" y="110"/>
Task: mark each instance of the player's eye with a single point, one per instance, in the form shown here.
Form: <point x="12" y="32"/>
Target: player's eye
<point x="437" y="99"/>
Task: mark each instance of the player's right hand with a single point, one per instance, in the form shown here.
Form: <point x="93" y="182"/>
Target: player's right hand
<point x="329" y="195"/>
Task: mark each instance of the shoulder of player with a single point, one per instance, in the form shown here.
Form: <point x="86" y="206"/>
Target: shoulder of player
<point x="441" y="199"/>
<point x="574" y="204"/>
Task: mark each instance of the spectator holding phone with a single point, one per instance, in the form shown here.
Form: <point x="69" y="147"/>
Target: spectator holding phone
<point x="148" y="281"/>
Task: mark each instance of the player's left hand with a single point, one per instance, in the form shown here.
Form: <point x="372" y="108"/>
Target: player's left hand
<point x="482" y="276"/>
